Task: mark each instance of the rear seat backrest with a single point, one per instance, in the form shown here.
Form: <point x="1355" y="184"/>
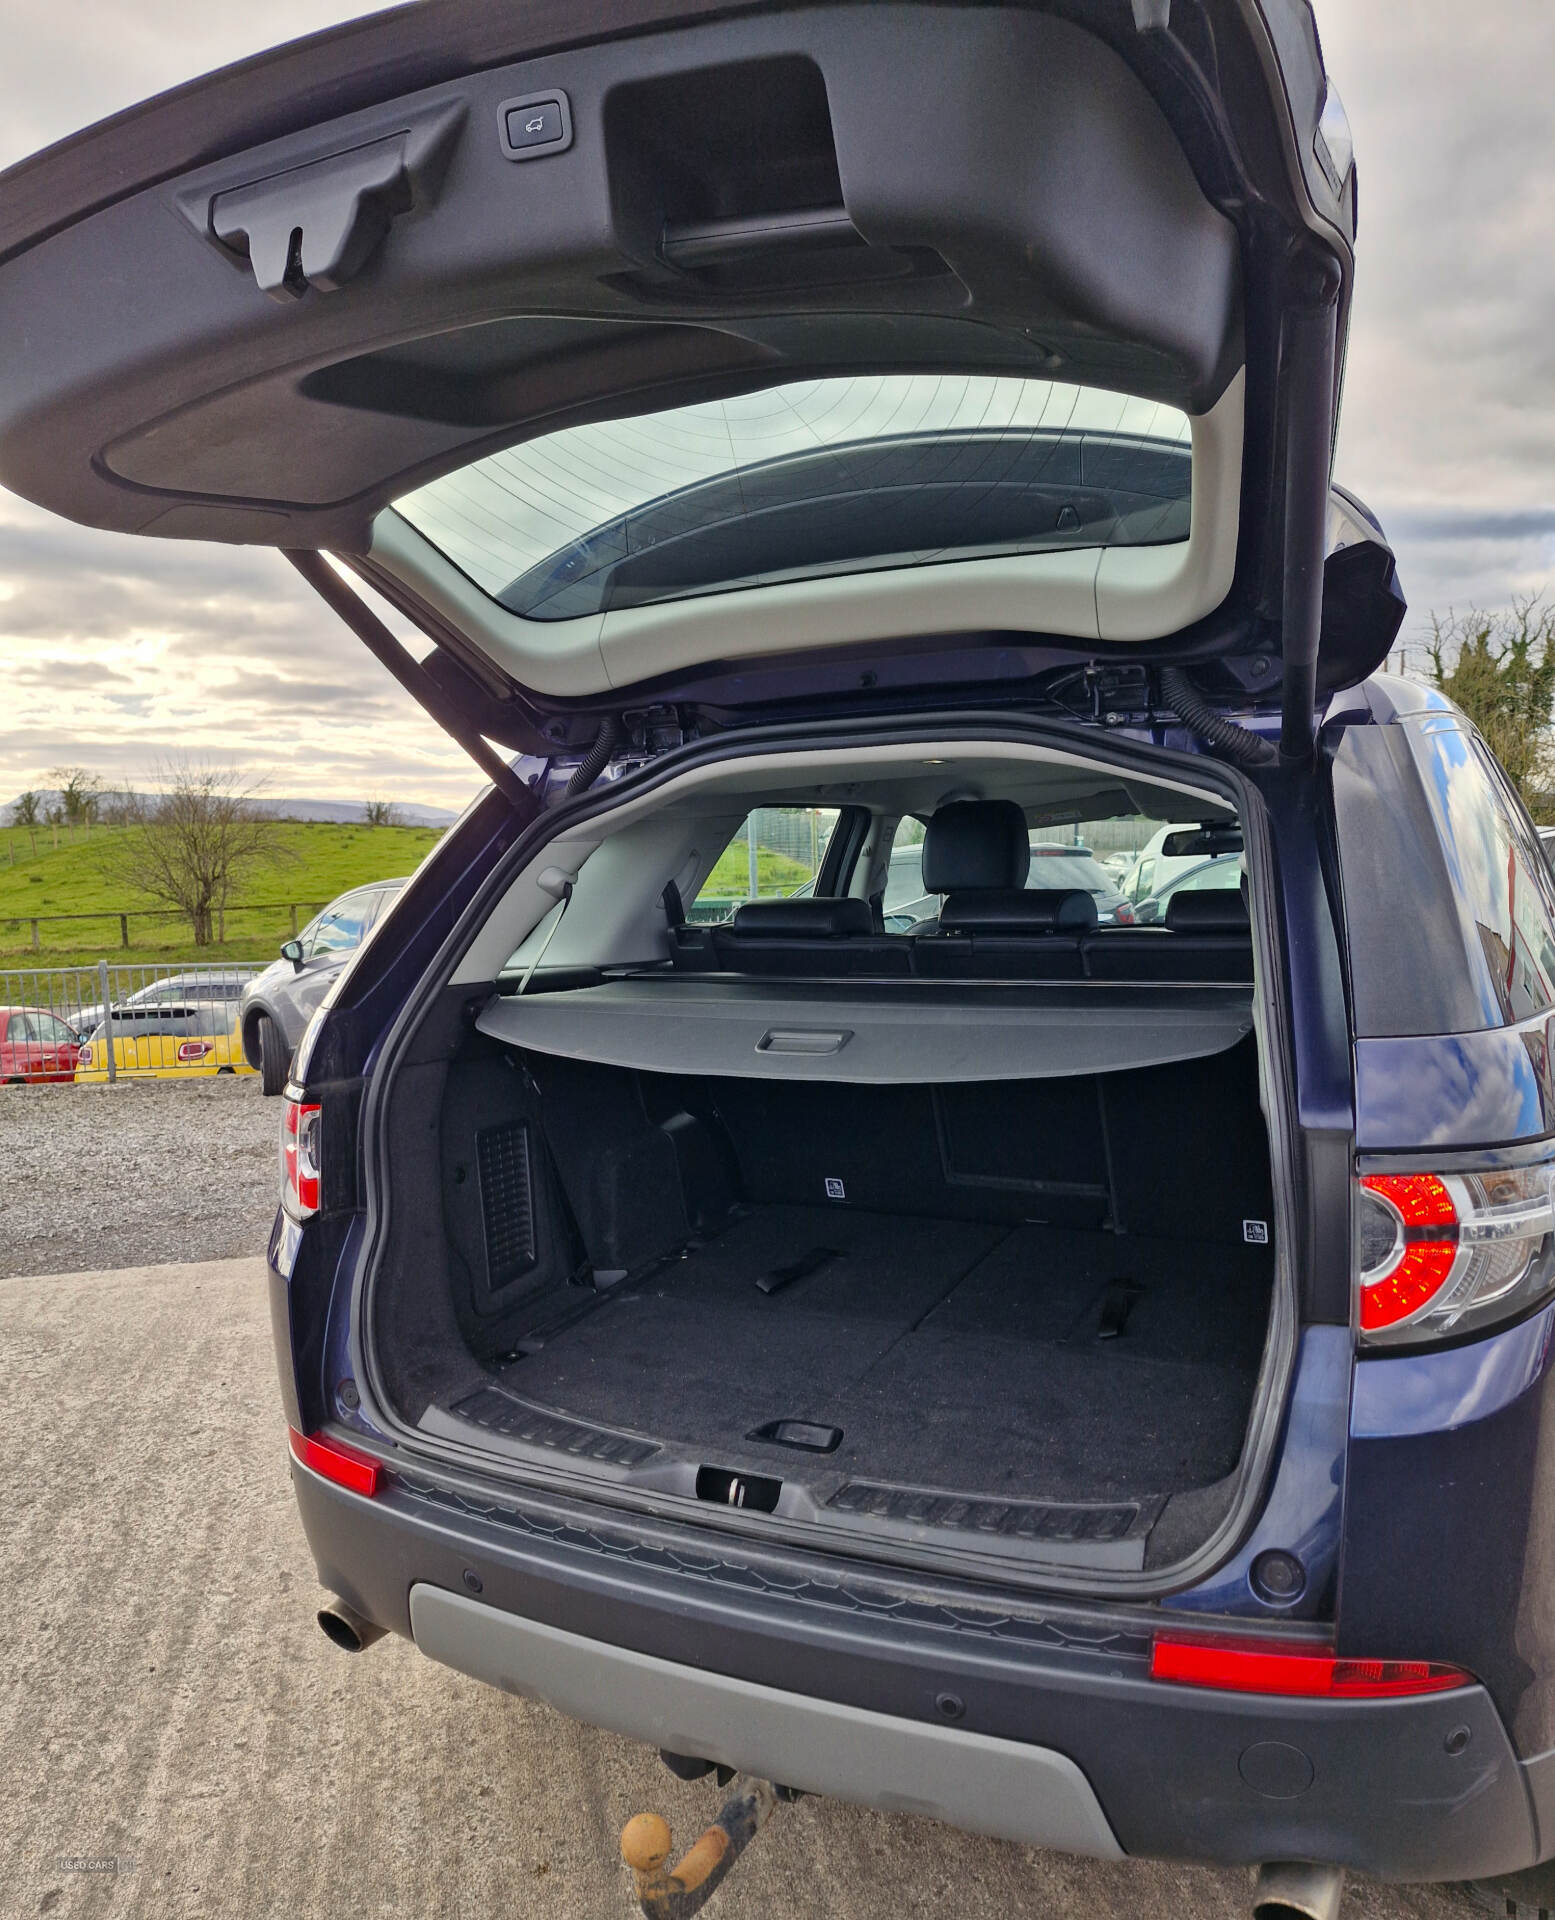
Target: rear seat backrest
<point x="807" y="939"/>
<point x="1205" y="936"/>
<point x="1008" y="933"/>
<point x="1215" y="910"/>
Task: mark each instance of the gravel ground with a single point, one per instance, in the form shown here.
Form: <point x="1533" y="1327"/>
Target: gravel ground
<point x="171" y="1715"/>
<point x="136" y="1173"/>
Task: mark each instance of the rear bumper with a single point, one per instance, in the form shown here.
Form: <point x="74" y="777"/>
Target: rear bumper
<point x="1004" y="1787"/>
<point x="839" y="1686"/>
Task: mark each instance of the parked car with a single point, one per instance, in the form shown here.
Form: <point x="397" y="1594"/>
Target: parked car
<point x="1170" y="852"/>
<point x="1056" y="867"/>
<point x="1092" y="1384"/>
<point x="906" y="904"/>
<point x="1221" y="873"/>
<point x="36" y="1045"/>
<point x="277" y="1004"/>
<point x="168" y="1040"/>
<point x="200" y="986"/>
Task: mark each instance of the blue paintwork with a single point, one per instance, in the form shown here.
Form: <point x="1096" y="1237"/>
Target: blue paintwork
<point x="1438" y="1391"/>
<point x="311" y="1272"/>
<point x="1414" y="1489"/>
<point x="1305" y="1507"/>
<point x="1449" y="1532"/>
<point x="1456" y="1090"/>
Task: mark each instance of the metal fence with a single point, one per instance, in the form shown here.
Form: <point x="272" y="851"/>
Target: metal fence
<point x="120" y="1022"/>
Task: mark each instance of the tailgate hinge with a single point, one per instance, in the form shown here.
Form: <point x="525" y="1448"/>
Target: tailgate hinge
<point x="654" y="730"/>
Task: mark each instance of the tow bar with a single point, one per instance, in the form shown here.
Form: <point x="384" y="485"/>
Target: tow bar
<point x="646" y="1843"/>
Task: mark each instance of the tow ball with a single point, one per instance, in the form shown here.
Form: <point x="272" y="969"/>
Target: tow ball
<point x="646" y="1844"/>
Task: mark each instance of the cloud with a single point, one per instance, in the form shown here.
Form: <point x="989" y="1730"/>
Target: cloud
<point x="1450" y="523"/>
<point x="67" y="67"/>
<point x="113" y="650"/>
<point x="1449" y="414"/>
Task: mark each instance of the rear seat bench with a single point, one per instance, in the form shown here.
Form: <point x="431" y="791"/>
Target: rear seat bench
<point x="1205" y="936"/>
<point x="989" y="935"/>
<point x="991" y="927"/>
<point x="1006" y="935"/>
<point x="796" y="939"/>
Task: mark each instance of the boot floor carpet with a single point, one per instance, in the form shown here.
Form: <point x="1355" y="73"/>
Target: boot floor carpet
<point x="960" y="1357"/>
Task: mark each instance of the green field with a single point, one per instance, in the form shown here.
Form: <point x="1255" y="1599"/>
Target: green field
<point x="776" y="874"/>
<point x="318" y="860"/>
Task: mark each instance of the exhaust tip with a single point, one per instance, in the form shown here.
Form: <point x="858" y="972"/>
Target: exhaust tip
<point x="1297" y="1890"/>
<point x="347" y="1629"/>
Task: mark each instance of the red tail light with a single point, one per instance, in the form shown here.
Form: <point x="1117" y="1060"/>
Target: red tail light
<point x="191" y="1050"/>
<point x="84" y="1058"/>
<point x="300" y="1158"/>
<point x="1423" y="1254"/>
<point x="346" y="1465"/>
<point x="1442" y="1254"/>
<point x="1252" y="1669"/>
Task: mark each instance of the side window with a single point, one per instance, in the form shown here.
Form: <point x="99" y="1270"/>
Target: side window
<point x="1502" y="886"/>
<point x="22" y="1031"/>
<point x="341" y="928"/>
<point x="1531" y="894"/>
<point x="905" y="902"/>
<point x="52" y="1032"/>
<point x="776" y="855"/>
<point x="1218" y="876"/>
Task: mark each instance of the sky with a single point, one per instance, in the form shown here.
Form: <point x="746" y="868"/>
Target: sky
<point x="117" y="652"/>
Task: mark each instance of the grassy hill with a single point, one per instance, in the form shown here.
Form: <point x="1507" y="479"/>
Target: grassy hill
<point x="43" y="874"/>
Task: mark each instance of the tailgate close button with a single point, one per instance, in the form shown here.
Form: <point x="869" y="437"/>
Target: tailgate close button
<point x="538" y="124"/>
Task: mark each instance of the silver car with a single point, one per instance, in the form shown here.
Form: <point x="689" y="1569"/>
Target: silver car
<point x="277" y="1006"/>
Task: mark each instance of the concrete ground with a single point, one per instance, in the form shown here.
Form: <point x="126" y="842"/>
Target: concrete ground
<point x="177" y="1737"/>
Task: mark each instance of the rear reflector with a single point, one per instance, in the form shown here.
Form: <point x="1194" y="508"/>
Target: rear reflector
<point x="336" y="1461"/>
<point x="1245" y="1669"/>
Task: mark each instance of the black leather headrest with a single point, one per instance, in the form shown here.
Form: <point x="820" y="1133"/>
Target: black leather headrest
<point x="804" y="919"/>
<point x="975" y="843"/>
<point x="1007" y="910"/>
<point x="1216" y="910"/>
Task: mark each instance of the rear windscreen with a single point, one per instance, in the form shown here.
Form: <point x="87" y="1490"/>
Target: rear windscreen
<point x="816" y="477"/>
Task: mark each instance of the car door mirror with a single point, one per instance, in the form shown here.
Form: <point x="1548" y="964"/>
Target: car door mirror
<point x="292" y="950"/>
<point x="1147" y="912"/>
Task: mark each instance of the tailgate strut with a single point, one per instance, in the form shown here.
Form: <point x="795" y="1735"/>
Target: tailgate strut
<point x="1311" y="323"/>
<point x="342" y="598"/>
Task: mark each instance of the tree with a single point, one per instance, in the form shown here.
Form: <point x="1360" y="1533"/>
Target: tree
<point x="27" y="813"/>
<point x="1500" y="668"/>
<point x="192" y="840"/>
<point x="80" y="796"/>
<point x="381" y="813"/>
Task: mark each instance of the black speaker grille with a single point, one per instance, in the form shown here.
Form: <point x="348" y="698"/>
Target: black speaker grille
<point x="507" y="1202"/>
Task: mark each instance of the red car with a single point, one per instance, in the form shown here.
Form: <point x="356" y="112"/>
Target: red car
<point x="34" y="1045"/>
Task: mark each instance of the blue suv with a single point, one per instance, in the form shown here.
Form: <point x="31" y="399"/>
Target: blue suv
<point x="1085" y="1382"/>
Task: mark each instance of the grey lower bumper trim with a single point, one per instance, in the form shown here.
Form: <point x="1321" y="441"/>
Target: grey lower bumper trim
<point x="999" y="1787"/>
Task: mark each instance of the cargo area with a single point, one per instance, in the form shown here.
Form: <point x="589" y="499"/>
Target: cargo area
<point x="1024" y="1313"/>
